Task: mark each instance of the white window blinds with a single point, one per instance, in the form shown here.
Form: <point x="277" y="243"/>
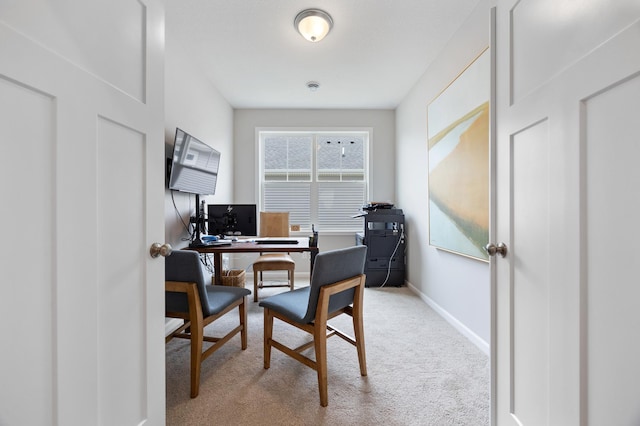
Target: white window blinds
<point x="292" y="197"/>
<point x="337" y="203"/>
<point x="320" y="178"/>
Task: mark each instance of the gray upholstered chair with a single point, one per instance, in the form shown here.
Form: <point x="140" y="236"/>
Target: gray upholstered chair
<point x="187" y="296"/>
<point x="337" y="287"/>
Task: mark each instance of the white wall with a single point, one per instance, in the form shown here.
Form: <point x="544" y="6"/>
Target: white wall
<point x="381" y="154"/>
<point x="196" y="106"/>
<point x="458" y="287"/>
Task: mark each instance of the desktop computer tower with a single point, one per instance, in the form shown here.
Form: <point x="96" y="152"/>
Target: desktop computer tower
<point x="385" y="239"/>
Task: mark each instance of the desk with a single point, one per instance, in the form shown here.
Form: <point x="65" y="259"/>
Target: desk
<point x="252" y="247"/>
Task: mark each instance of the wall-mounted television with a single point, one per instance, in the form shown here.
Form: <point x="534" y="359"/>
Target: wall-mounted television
<point x="194" y="165"/>
<point x="232" y="219"/>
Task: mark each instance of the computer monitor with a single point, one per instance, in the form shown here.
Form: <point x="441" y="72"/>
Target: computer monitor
<point x="232" y="219"/>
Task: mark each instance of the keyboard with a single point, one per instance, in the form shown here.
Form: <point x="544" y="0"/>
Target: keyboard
<point x="276" y="241"/>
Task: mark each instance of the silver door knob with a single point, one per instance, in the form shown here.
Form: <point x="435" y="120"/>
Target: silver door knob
<point x="500" y="249"/>
<point x="158" y="249"/>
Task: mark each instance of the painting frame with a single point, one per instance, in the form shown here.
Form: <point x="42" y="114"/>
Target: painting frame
<point x="458" y="143"/>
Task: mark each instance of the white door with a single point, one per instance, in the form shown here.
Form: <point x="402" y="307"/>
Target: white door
<point x="81" y="187"/>
<point x="568" y="206"/>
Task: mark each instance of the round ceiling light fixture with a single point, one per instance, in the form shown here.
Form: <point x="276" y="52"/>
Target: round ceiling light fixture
<point x="313" y="24"/>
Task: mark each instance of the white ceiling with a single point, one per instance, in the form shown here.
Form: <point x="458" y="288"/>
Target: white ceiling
<point x="377" y="50"/>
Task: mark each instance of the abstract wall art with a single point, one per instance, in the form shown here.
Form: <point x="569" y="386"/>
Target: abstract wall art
<point x="458" y="148"/>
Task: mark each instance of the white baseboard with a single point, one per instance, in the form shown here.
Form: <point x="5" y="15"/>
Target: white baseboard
<point x="463" y="329"/>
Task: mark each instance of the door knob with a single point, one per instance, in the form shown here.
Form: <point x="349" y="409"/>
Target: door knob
<point x="158" y="249"/>
<point x="492" y="249"/>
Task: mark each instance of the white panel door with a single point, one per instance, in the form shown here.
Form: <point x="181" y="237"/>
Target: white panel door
<point x="611" y="181"/>
<point x="567" y="205"/>
<point x="82" y="302"/>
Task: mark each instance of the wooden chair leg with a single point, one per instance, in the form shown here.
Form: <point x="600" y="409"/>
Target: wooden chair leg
<point x="255" y="285"/>
<point x="320" y="341"/>
<point x="358" y="331"/>
<point x="196" y="358"/>
<point x="268" y="333"/>
<point x="290" y="274"/>
<point x="358" y="327"/>
<point x="196" y="337"/>
<point x="242" y="310"/>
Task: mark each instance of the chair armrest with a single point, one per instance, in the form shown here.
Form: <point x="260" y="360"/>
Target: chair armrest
<point x="357" y="282"/>
<point x="193" y="298"/>
<point x="177" y="286"/>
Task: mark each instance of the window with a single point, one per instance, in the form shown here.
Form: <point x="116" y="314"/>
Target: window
<point x="320" y="178"/>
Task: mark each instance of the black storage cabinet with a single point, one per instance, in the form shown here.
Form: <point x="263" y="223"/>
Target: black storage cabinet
<point x="384" y="236"/>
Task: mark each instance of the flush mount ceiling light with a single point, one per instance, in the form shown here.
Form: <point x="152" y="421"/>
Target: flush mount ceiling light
<point x="313" y="24"/>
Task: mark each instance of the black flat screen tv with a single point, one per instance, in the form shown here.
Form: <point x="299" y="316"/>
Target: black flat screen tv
<point x="194" y="165"/>
<point x="232" y="219"/>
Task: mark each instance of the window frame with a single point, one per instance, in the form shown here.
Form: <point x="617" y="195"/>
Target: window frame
<point x="367" y="133"/>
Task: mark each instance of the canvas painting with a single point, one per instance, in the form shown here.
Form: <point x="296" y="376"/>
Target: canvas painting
<point x="458" y="147"/>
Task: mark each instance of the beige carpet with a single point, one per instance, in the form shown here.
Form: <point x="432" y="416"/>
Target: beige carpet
<point x="421" y="371"/>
